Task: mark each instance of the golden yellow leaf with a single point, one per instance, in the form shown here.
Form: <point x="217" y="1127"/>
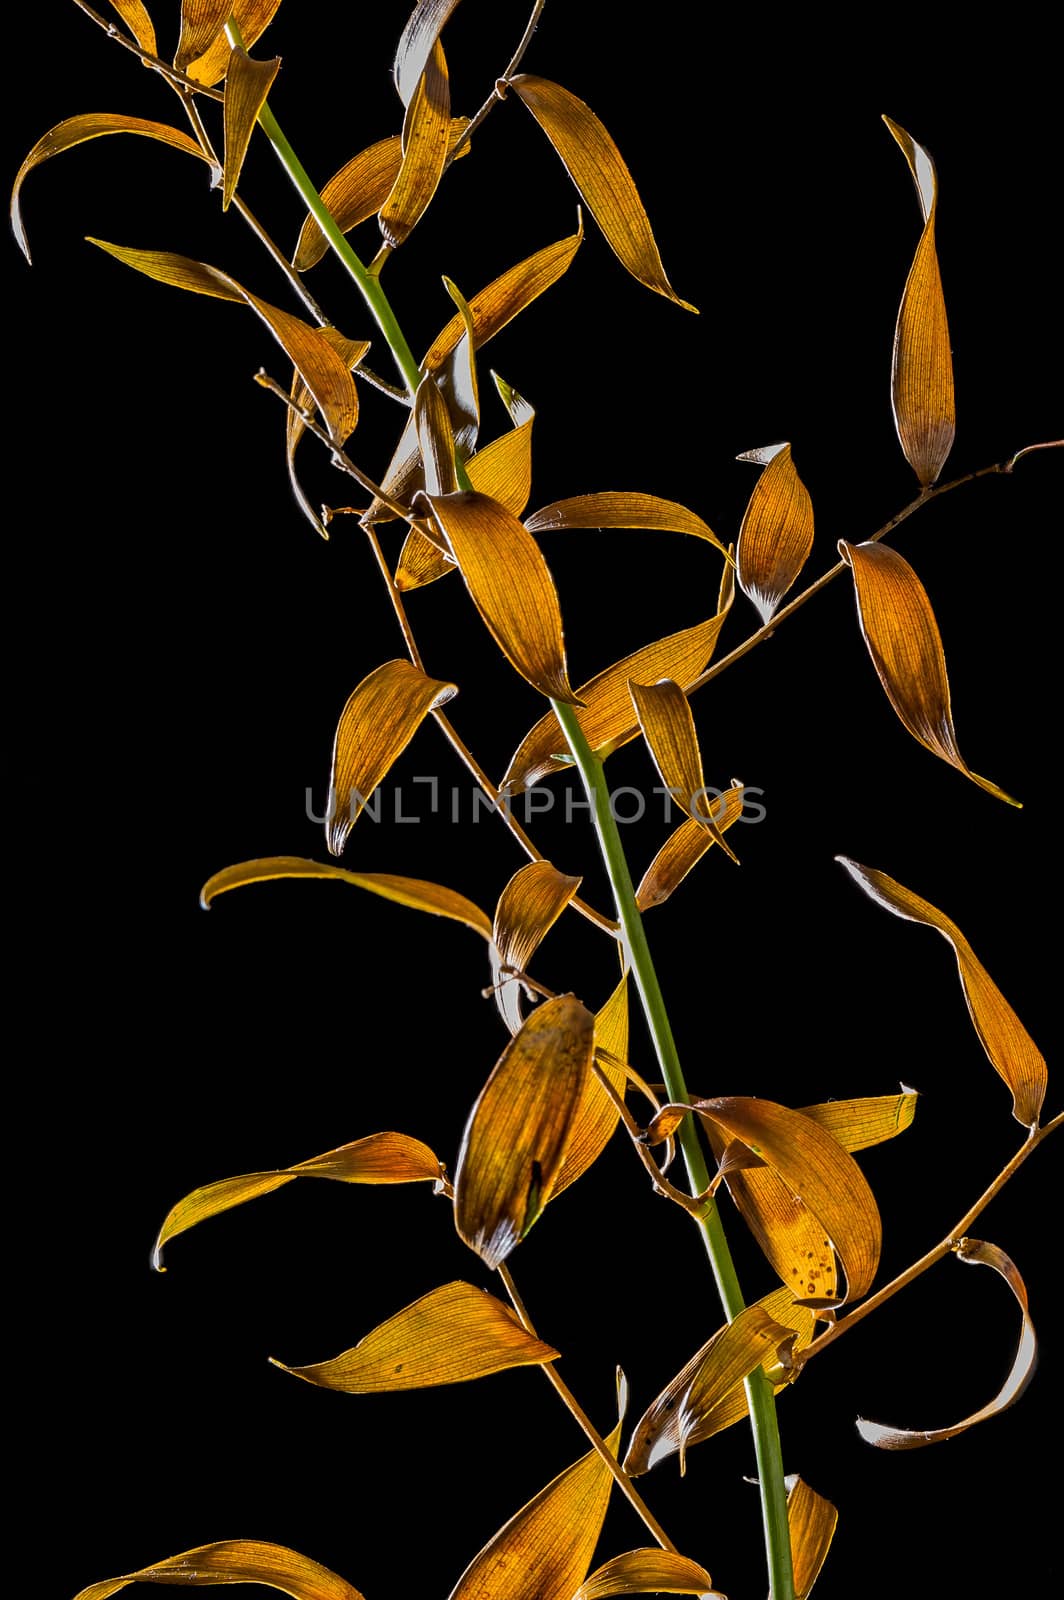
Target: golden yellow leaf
<point x="417" y="893"/>
<point x="201" y="23"/>
<point x="605" y="713"/>
<point x="426" y="137"/>
<point x="76" y="130"/>
<point x="528" y="908"/>
<point x="415" y="44"/>
<point x="235" y="1561"/>
<point x="925" y="412"/>
<point x="247" y="83"/>
<point x="684" y="849"/>
<point x="1012" y="1052"/>
<point x="544" y="1551"/>
<point x="622" y="509"/>
<point x="668" y="726"/>
<point x="903" y="640"/>
<point x="598" y="169"/>
<point x="435" y="441"/>
<point x="420" y="562"/>
<point x="253" y="17"/>
<point x="510" y="585"/>
<point x="351" y="352"/>
<point x="451" y="1335"/>
<point x="596" y="1117"/>
<point x="859" y="1124"/>
<point x="973" y="1252"/>
<point x="777" y="530"/>
<point x="135" y="16"/>
<point x="812" y="1521"/>
<point x="649" y="1571"/>
<point x="517" y="1133"/>
<point x="378" y="1158"/>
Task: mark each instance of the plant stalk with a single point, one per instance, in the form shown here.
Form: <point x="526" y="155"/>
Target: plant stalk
<point x="759" y="1394"/>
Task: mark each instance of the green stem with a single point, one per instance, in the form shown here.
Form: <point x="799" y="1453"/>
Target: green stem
<point x="758" y="1388"/>
<point x="368" y="285"/>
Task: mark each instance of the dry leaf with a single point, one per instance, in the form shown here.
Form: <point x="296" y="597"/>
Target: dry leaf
<point x="135" y="16"/>
<point x="451" y="1335"/>
<point x="252" y="17"/>
<point x="528" y="908"/>
<point x="457" y="377"/>
<point x="620" y="509"/>
<point x="668" y="726"/>
<point x="989" y="1255"/>
<point x="235" y="1561"/>
<point x="777" y="531"/>
<point x="872" y="1119"/>
<point x="378" y="1158"/>
<point x="247" y="83"/>
<point x="812" y="1521"/>
<point x="596" y="1116"/>
<point x="351" y="352"/>
<point x="426" y="138"/>
<point x="76" y="130"/>
<point x="415" y="44"/>
<point x="921" y="387"/>
<point x="201" y="23"/>
<point x="517" y="1133"/>
<point x="1013" y="1053"/>
<point x="414" y="892"/>
<point x="903" y="640"/>
<point x="435" y="440"/>
<point x="647" y="1572"/>
<point x="597" y="168"/>
<point x="684" y="849"/>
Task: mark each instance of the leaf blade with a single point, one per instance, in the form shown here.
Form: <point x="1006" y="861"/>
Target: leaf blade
<point x="684" y="849"/>
<point x="426" y="138"/>
<point x="622" y="509"/>
<point x="253" y="17"/>
<point x="649" y="1571"/>
<point x="236" y="1561"/>
<point x="668" y="725"/>
<point x="812" y="1521"/>
<point x="528" y="908"/>
<point x="776" y="535"/>
<point x="247" y="83"/>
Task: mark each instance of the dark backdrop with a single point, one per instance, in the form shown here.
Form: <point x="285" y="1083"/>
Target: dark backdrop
<point x="186" y="646"/>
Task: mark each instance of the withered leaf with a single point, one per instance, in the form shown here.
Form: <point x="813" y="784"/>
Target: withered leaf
<point x="235" y="1561"/>
<point x="903" y="640"/>
<point x="811" y="1521"/>
<point x="777" y="531"/>
<point x="451" y="1335"/>
<point x="528" y="908"/>
<point x="517" y="1133"/>
<point x="247" y="83"/>
<point x="872" y="1119"/>
<point x="1012" y="1052"/>
<point x="605" y="713"/>
<point x="596" y="1117"/>
<point x="598" y="169"/>
<point x="622" y="509"/>
<point x="684" y="849"/>
<point x="420" y="562"/>
<point x="668" y="726"/>
<point x="415" y="892"/>
<point x="457" y="377"/>
<point x="921" y="386"/>
<point x="544" y="1551"/>
<point x="351" y="352"/>
<point x="378" y="1158"/>
<point x="649" y="1571"/>
<point x="252" y="17"/>
<point x="76" y="130"/>
<point x="135" y="16"/>
<point x="435" y="440"/>
<point x="426" y="136"/>
<point x="201" y="23"/>
<point x="972" y="1251"/>
<point x="415" y="44"/>
<point x="510" y="585"/>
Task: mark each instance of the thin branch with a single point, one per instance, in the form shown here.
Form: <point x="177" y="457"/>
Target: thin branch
<point x="1050" y="444"/>
<point x="495" y="96"/>
<point x="694" y="1205"/>
<point x="944" y="1248"/>
<point x="576" y="1410"/>
<point x="391" y="389"/>
<point x="178" y="79"/>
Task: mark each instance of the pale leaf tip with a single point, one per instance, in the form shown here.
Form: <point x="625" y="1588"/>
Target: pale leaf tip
<point x="157" y="1256"/>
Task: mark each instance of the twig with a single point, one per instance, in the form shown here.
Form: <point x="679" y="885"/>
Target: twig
<point x="695" y="1205"/>
<point x="178" y="79"/>
<point x="495" y="96"/>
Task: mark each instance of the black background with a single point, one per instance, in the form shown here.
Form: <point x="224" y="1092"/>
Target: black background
<point x="187" y="644"/>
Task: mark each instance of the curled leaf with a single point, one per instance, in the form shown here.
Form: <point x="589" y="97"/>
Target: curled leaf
<point x="596" y="1116"/>
<point x="776" y="534"/>
<point x="426" y="136"/>
<point x="458" y="377"/>
<point x="622" y="509"/>
<point x="252" y="17"/>
<point x="598" y="169"/>
<point x="684" y="849"/>
<point x="528" y="908"/>
<point x="77" y="130"/>
<point x="668" y="726"/>
<point x="416" y="43"/>
<point x="451" y="1335"/>
<point x="903" y="640"/>
<point x="812" y="1521"/>
<point x="414" y="892"/>
<point x="974" y="1252"/>
<point x="1012" y="1052"/>
<point x="351" y="352"/>
<point x="517" y="1133"/>
<point x="134" y="14"/>
<point x="201" y="23"/>
<point x="247" y="83"/>
<point x="378" y="1158"/>
<point x="235" y="1561"/>
<point x="435" y="441"/>
<point x="646" y="1572"/>
<point x="921" y="387"/>
<point x="503" y="469"/>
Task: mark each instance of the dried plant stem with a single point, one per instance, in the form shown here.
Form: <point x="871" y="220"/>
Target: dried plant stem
<point x="494" y="97"/>
<point x="758" y="1389"/>
<point x="572" y="1404"/>
<point x="944" y="1248"/>
<point x="171" y="74"/>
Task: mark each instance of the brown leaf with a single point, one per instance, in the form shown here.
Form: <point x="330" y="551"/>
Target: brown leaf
<point x="812" y="1521"/>
<point x="903" y="640"/>
<point x="503" y="469"/>
<point x="647" y="1572"/>
<point x="528" y="908"/>
<point x="435" y="441"/>
<point x="378" y="1158"/>
<point x="777" y="531"/>
<point x="413" y="892"/>
<point x="415" y="45"/>
<point x="925" y="412"/>
<point x="597" y="168"/>
<point x="596" y="1117"/>
<point x="201" y="23"/>
<point x="135" y="16"/>
<point x="235" y="1561"/>
<point x="622" y="509"/>
<point x="451" y="1335"/>
<point x="510" y="585"/>
<point x="668" y="726"/>
<point x="517" y="1133"/>
<point x="872" y="1119"/>
<point x="544" y="1551"/>
<point x="420" y="562"/>
<point x="973" y="1251"/>
<point x="426" y="137"/>
<point x="351" y="352"/>
<point x="76" y="130"/>
<point x="605" y="713"/>
<point x="253" y="17"/>
<point x="247" y="83"/>
<point x="1012" y="1052"/>
<point x="684" y="849"/>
